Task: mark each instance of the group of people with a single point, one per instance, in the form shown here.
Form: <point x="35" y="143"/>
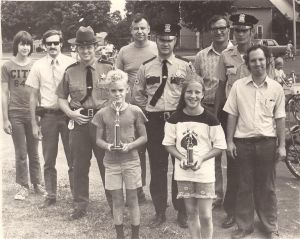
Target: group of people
<point x="157" y="101"/>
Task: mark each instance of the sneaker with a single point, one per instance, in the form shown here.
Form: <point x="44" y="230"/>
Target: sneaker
<point x="39" y="189"/>
<point x="22" y="194"/>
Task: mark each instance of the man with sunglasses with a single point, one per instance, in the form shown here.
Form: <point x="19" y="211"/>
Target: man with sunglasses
<point x="206" y="62"/>
<point x="43" y="79"/>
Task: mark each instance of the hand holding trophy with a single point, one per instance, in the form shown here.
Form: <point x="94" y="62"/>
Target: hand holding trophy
<point x="117" y="145"/>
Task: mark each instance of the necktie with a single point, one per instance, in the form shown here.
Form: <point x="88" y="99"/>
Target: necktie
<point x="89" y="84"/>
<point x="158" y="93"/>
<point x="55" y="72"/>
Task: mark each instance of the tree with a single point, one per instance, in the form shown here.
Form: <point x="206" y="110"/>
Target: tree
<point x="39" y="16"/>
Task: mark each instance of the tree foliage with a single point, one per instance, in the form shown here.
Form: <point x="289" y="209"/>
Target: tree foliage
<point x="194" y="14"/>
<point x="39" y="16"/>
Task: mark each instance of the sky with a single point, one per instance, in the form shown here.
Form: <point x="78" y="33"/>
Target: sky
<point x="118" y="5"/>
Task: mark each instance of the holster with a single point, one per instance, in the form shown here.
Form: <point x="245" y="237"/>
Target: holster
<point x="40" y="111"/>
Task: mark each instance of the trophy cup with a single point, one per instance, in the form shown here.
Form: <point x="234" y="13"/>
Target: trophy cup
<point x="189" y="151"/>
<point x="117" y="145"/>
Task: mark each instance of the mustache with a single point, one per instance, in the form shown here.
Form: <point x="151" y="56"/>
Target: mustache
<point x="52" y="48"/>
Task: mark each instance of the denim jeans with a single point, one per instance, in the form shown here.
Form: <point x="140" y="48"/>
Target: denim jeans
<point x="25" y="143"/>
<point x="256" y="184"/>
<point x="52" y="125"/>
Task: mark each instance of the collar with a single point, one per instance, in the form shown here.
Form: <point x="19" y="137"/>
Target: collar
<point x="57" y="59"/>
<point x="266" y="82"/>
<point x="93" y="65"/>
<point x="170" y="60"/>
<point x="211" y="48"/>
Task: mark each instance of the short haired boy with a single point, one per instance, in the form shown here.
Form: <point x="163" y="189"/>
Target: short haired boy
<point x="123" y="165"/>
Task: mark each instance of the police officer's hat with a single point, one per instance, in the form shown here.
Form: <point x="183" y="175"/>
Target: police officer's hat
<point x="167" y="30"/>
<point x="84" y="36"/>
<point x="243" y="21"/>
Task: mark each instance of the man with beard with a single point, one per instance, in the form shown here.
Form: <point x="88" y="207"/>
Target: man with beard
<point x="42" y="81"/>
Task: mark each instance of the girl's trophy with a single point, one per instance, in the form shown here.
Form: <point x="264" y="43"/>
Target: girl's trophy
<point x="117" y="145"/>
<point x="189" y="151"/>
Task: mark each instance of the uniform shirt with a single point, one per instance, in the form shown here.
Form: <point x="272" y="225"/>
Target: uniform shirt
<point x="41" y="77"/>
<point x="206" y="133"/>
<point x="74" y="85"/>
<point x="15" y="75"/>
<point x="131" y="57"/>
<point x="206" y="62"/>
<point x="232" y="67"/>
<point x="256" y="107"/>
<point x="131" y="119"/>
<point x="149" y="78"/>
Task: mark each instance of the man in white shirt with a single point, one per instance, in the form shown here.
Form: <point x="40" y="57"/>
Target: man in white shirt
<point x="43" y="79"/>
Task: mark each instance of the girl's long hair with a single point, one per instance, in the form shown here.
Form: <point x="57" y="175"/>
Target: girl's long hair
<point x="196" y="79"/>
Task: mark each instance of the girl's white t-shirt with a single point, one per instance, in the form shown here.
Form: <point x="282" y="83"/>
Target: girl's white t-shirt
<point x="206" y="133"/>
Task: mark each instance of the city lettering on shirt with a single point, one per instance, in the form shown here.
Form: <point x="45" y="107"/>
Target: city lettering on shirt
<point x="19" y="74"/>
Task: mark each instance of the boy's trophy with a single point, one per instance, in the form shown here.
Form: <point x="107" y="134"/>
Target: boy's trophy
<point x="117" y="145"/>
<point x="189" y="151"/>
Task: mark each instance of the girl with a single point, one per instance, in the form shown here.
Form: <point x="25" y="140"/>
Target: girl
<point x="16" y="114"/>
<point x="193" y="127"/>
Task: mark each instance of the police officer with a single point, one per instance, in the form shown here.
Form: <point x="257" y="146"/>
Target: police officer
<point x="232" y="67"/>
<point x="84" y="82"/>
<point x="157" y="90"/>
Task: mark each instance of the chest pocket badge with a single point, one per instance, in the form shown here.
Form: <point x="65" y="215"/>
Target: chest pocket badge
<point x="152" y="80"/>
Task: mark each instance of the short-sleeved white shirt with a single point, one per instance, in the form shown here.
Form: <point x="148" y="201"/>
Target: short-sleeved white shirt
<point x="256" y="107"/>
<point x="41" y="77"/>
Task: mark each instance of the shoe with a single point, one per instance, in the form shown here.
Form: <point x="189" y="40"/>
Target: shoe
<point x="237" y="234"/>
<point x="182" y="220"/>
<point x="39" y="189"/>
<point x="217" y="203"/>
<point x="47" y="203"/>
<point x="77" y="214"/>
<point x="273" y="235"/>
<point x="158" y="220"/>
<point x="22" y="194"/>
<point x="228" y="222"/>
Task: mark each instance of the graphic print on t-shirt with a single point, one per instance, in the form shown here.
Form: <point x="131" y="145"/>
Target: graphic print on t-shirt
<point x="188" y="138"/>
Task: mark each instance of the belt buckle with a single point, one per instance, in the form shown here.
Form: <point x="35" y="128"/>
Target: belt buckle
<point x="166" y="116"/>
<point x="90" y="113"/>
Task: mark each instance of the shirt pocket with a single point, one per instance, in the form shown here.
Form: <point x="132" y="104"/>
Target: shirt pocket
<point x="152" y="84"/>
<point x="101" y="91"/>
<point x="267" y="106"/>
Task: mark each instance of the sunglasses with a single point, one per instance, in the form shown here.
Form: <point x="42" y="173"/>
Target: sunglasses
<point x="49" y="43"/>
<point x="241" y="30"/>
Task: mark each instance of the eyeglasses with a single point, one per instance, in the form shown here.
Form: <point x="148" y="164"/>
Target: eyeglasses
<point x="216" y="29"/>
<point x="49" y="43"/>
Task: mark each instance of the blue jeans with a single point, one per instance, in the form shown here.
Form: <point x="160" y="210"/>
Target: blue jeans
<point x="25" y="143"/>
<point x="256" y="183"/>
<point x="52" y="125"/>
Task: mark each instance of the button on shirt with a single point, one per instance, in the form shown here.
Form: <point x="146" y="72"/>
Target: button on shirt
<point x="41" y="77"/>
<point x="256" y="107"/>
<point x="74" y="85"/>
<point x="149" y="78"/>
<point x="206" y="62"/>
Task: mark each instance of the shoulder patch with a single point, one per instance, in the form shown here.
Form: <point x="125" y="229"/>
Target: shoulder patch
<point x="151" y="59"/>
<point x="182" y="58"/>
<point x="72" y="65"/>
<point x="105" y="61"/>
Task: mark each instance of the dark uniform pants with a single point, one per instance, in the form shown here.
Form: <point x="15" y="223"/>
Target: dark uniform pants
<point x="83" y="143"/>
<point x="51" y="126"/>
<point x="256" y="178"/>
<point x="229" y="202"/>
<point x="158" y="158"/>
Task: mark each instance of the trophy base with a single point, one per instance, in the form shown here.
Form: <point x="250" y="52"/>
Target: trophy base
<point x="116" y="148"/>
<point x="190" y="165"/>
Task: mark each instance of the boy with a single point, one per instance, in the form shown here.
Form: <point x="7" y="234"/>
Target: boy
<point x="123" y="165"/>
